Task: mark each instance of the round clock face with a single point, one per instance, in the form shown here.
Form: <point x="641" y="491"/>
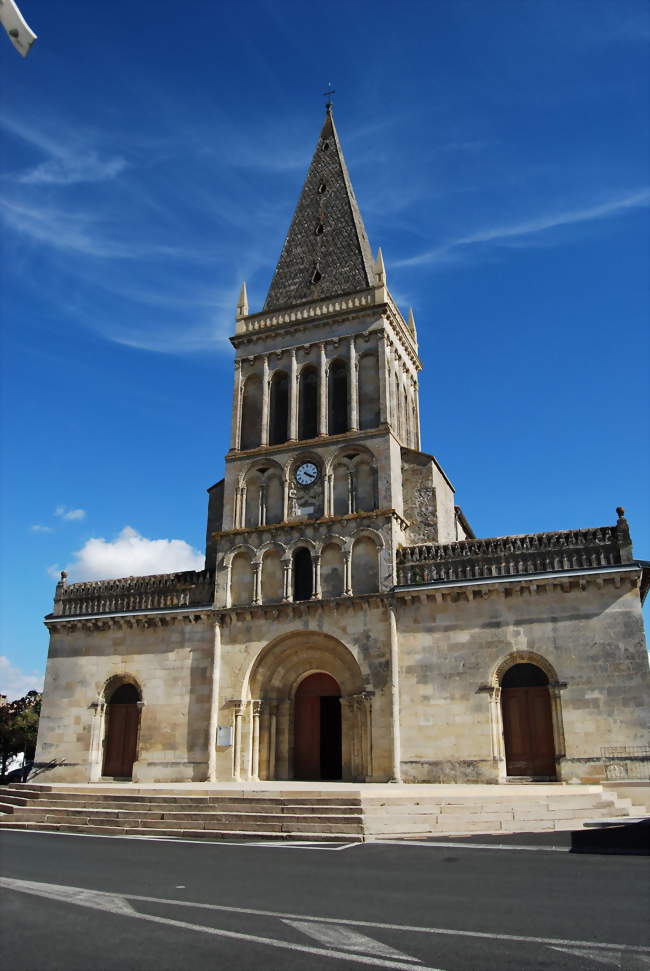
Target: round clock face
<point x="306" y="474"/>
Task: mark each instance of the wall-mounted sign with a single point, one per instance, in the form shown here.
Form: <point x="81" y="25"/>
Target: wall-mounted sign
<point x="224" y="735"/>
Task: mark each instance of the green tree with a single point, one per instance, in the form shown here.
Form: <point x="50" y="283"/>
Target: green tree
<point x="19" y="728"/>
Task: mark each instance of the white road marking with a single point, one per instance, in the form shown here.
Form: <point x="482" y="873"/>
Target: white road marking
<point x="266" y="844"/>
<point x="334" y="935"/>
<point x="472" y="846"/>
<point x="613" y="958"/>
<point x="414" y="929"/>
<point x="93" y="899"/>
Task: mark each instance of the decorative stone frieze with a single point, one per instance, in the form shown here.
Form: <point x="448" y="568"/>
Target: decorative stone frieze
<point x="163" y="590"/>
<point x="510" y="555"/>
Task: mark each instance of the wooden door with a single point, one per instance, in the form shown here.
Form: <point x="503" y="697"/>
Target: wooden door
<point x="121" y="740"/>
<point x="528" y="731"/>
<point x="317" y="734"/>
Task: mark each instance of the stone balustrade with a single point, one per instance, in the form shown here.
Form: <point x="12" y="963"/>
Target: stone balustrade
<point x="262" y="321"/>
<point x="501" y="556"/>
<point x="165" y="590"/>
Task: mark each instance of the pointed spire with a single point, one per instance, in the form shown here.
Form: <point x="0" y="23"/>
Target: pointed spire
<point x="242" y="303"/>
<point x="326" y="252"/>
<point x="411" y="322"/>
<point x="380" y="270"/>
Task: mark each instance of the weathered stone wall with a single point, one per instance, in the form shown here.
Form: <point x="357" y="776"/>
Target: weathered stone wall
<point x="428" y="499"/>
<point x="170" y="664"/>
<point x="452" y="643"/>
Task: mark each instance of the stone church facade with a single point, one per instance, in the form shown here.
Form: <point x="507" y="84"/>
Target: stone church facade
<point x="348" y="624"/>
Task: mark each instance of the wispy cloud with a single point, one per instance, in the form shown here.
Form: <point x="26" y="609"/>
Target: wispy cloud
<point x="70" y="515"/>
<point x="66" y="163"/>
<point x="77" y="232"/>
<point x="539" y="224"/>
<point x="37" y="528"/>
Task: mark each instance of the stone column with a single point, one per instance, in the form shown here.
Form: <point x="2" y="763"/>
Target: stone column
<point x="236" y="746"/>
<point x="384" y="395"/>
<point x="293" y="397"/>
<point x="236" y="408"/>
<point x="347" y="739"/>
<point x="242" y="508"/>
<point x="214" y="703"/>
<point x="316" y="587"/>
<point x="287" y="564"/>
<point x="351" y="492"/>
<point x="255" y="756"/>
<point x="261" y="506"/>
<point x="322" y="391"/>
<point x="96" y="754"/>
<point x="354" y="391"/>
<point x="283" y="735"/>
<point x="396" y="772"/>
<point x="347" y="573"/>
<point x="327" y="495"/>
<point x="257" y="593"/>
<point x="286" y="485"/>
<point x="496" y="735"/>
<point x="273" y="726"/>
<point x="417" y="416"/>
<point x="367" y="711"/>
<point x="264" y="437"/>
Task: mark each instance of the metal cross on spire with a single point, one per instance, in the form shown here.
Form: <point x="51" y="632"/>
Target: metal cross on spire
<point x="328" y="94"/>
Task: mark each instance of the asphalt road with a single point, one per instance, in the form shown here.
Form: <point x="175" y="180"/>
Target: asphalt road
<point x="111" y="904"/>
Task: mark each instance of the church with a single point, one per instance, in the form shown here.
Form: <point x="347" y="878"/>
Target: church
<point x="348" y="624"/>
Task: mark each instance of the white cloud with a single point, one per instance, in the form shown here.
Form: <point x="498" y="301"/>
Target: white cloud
<point x="15" y="683"/>
<point x="539" y="224"/>
<point x="69" y="514"/>
<point x="37" y="528"/>
<point x="131" y="554"/>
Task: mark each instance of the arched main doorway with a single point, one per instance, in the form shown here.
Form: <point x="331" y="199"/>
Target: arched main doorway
<point x="527" y="722"/>
<point x="123" y="717"/>
<point x="317" y="728"/>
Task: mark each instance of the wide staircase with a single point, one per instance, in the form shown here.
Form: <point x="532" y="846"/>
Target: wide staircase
<point x="351" y="814"/>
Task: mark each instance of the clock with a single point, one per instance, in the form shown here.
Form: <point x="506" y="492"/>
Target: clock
<point x="306" y="474"/>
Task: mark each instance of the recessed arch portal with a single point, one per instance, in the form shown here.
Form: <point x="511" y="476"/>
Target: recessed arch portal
<point x="301" y="665"/>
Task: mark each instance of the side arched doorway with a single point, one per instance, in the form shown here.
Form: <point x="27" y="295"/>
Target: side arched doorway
<point x="122" y="723"/>
<point x="528" y="722"/>
<point x="317" y="728"/>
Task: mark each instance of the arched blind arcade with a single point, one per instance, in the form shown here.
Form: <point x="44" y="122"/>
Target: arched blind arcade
<point x="338" y="398"/>
<point x="308" y="403"/>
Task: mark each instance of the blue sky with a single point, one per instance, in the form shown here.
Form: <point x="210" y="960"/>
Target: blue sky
<point x="151" y="160"/>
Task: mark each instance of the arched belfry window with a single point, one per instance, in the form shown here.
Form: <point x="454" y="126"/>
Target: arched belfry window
<point x="337" y="398"/>
<point x="251" y="420"/>
<point x="308" y="403"/>
<point x="303" y="580"/>
<point x="279" y="416"/>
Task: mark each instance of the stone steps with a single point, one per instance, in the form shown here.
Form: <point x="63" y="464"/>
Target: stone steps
<point x="348" y="816"/>
<point x="193" y="834"/>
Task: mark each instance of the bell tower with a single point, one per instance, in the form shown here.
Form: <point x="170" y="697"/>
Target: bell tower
<point x="324" y="477"/>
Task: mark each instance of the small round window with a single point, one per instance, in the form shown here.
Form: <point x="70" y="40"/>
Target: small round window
<point x="322" y="188"/>
<point x="326" y="146"/>
<point x="319" y="229"/>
